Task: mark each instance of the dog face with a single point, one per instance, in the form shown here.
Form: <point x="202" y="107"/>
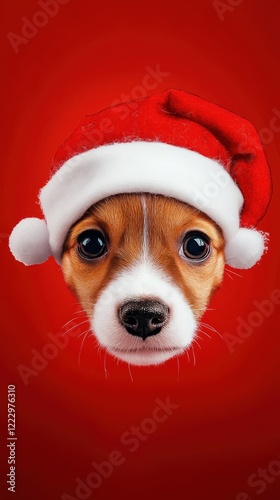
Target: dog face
<point x="144" y="268"/>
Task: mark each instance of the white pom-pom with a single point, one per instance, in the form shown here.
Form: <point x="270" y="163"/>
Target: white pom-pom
<point x="29" y="241"/>
<point x="245" y="249"/>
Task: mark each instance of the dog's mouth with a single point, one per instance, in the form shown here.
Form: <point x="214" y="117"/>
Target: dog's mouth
<point x="145" y="355"/>
<point x="145" y="350"/>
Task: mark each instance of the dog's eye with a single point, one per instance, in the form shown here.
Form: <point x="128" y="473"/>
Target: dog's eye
<point x="91" y="244"/>
<point x="196" y="246"/>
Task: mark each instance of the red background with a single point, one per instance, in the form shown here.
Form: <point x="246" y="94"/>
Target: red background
<point x="71" y="414"/>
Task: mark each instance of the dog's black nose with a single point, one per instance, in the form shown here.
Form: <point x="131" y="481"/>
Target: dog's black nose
<point x="143" y="318"/>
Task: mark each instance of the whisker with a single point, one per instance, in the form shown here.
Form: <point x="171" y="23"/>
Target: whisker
<point x="81" y="334"/>
<point x="233" y="272"/>
<point x="75" y="326"/>
<point x="129" y="370"/>
<point x="194" y="358"/>
<point x="86" y="334"/>
<point x="203" y="309"/>
<point x="229" y="275"/>
<point x="195" y="341"/>
<point x="106" y="373"/>
<point x="204" y="333"/>
<point x="211" y="328"/>
<point x="80" y="312"/>
<point x="198" y="337"/>
<point x="70" y="320"/>
<point x="178" y="367"/>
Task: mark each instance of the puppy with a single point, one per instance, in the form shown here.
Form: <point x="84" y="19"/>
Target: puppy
<point x="142" y="210"/>
<point x="144" y="268"/>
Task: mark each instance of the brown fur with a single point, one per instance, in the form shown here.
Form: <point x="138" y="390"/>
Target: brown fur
<point x="120" y="218"/>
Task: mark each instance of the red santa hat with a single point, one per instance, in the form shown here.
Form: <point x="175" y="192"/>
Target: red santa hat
<point x="174" y="144"/>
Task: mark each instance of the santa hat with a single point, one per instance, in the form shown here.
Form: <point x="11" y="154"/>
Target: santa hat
<point x="174" y="144"/>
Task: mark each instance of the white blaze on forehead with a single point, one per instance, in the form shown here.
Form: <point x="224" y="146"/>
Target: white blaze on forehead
<point x="143" y="280"/>
<point x="145" y="237"/>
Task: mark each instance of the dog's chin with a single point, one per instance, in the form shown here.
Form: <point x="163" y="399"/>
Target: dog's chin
<point x="145" y="357"/>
